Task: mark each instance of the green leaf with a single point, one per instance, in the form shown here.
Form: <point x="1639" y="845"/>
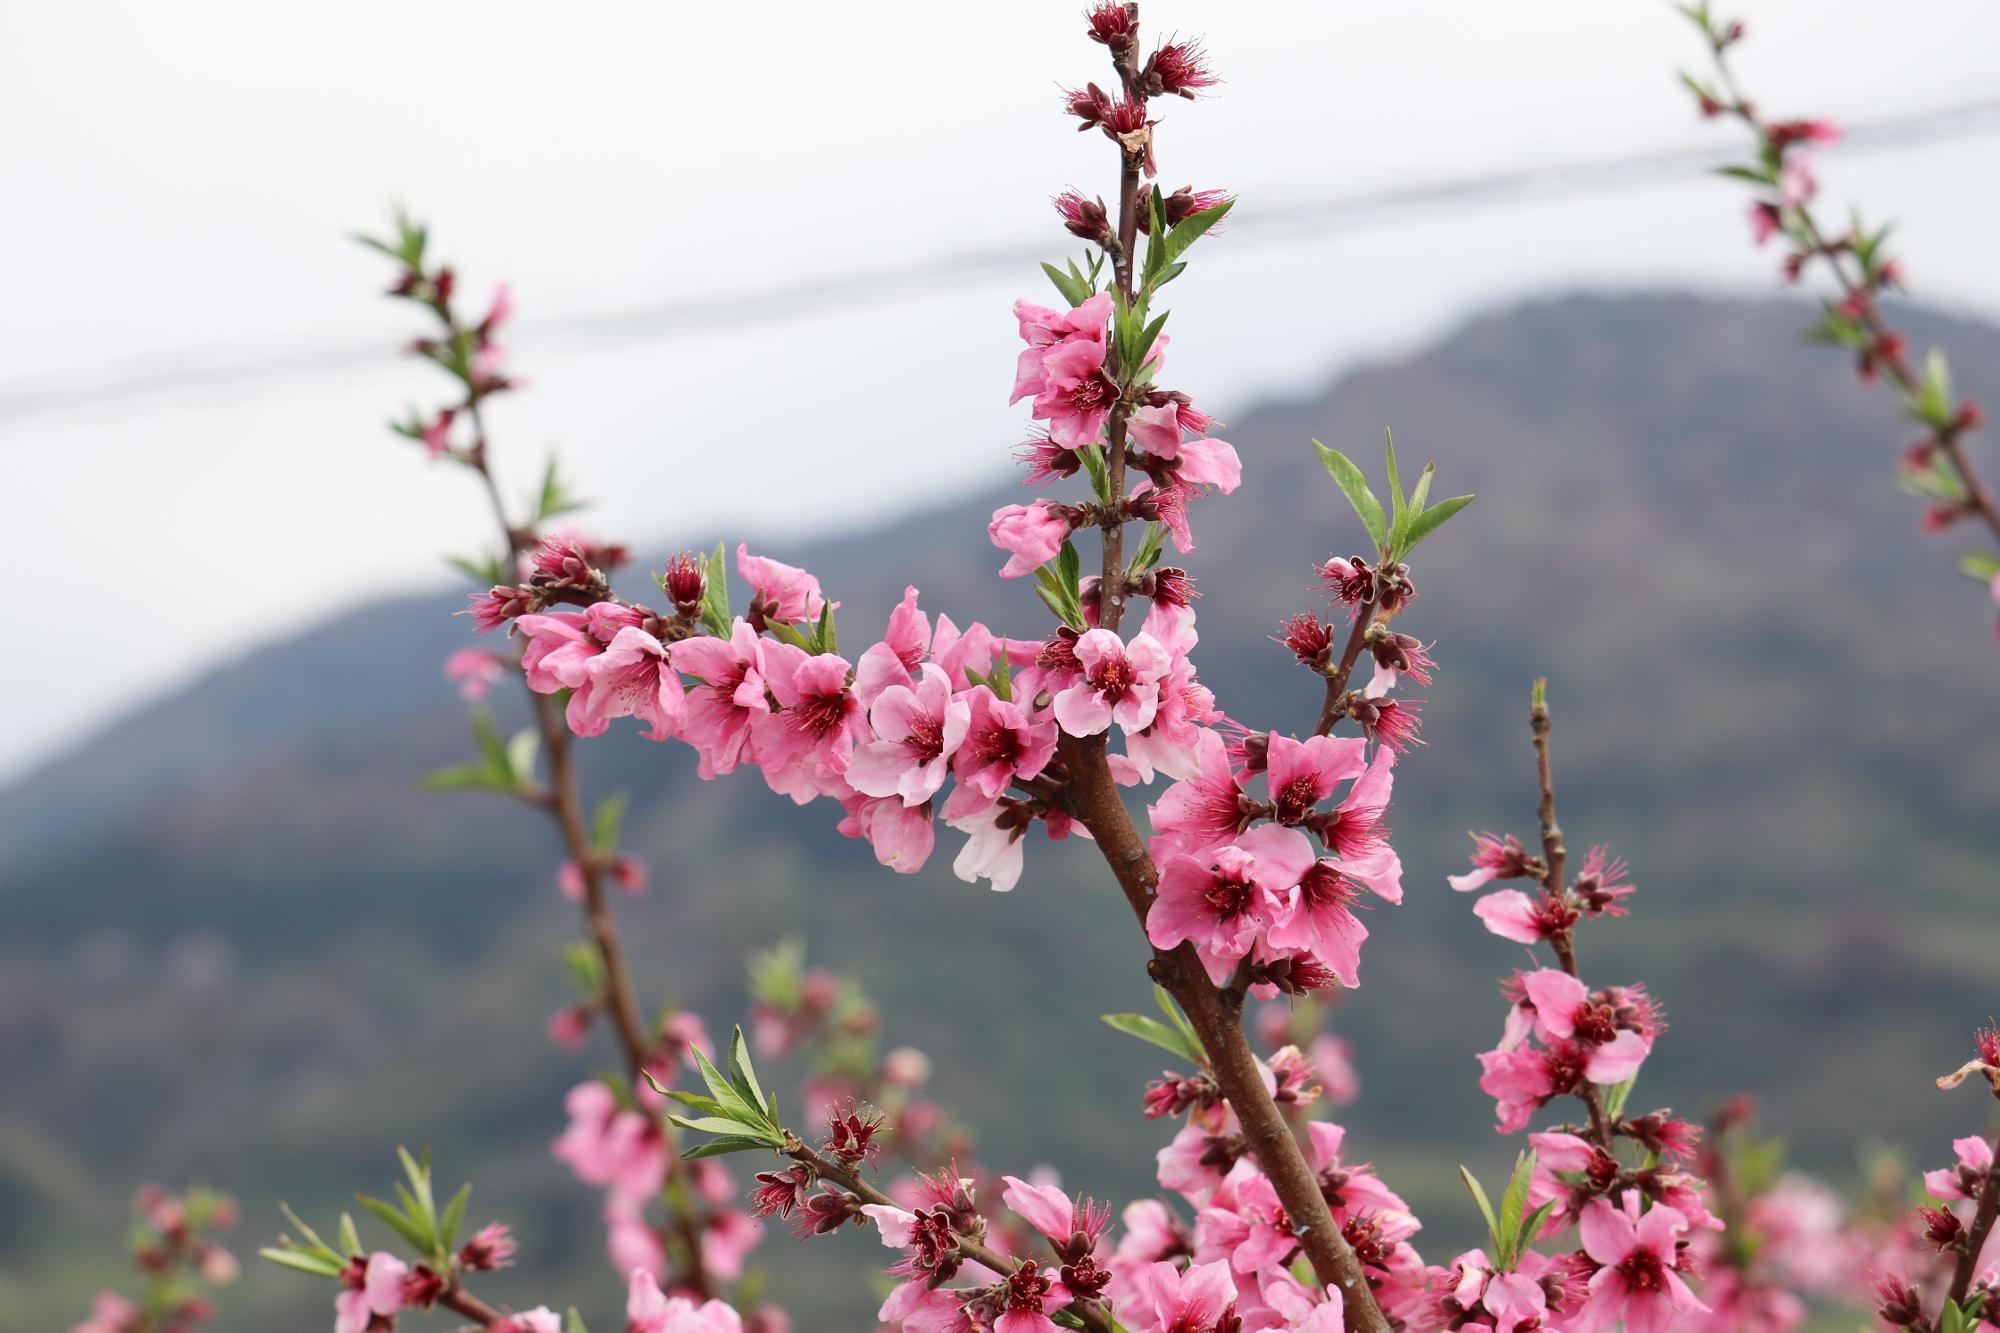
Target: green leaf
<point x="733" y="1103"/>
<point x="1399" y="520"/>
<point x="791" y="634"/>
<point x="1485" y="1209"/>
<point x="1353" y="484"/>
<point x="465" y="777"/>
<point x="521" y="752"/>
<point x="303" y="1261"/>
<point x="1422" y="492"/>
<point x="1531" y="1227"/>
<point x="1092" y="459"/>
<point x="574" y="1324"/>
<point x="1979" y="565"/>
<point x="1933" y="400"/>
<point x="715" y="615"/>
<point x="606" y="822"/>
<point x="1514" y="1203"/>
<point x="1433" y="518"/>
<point x="1156" y="234"/>
<point x="454" y="1217"/>
<point x="392" y="1217"/>
<point x="312" y="1237"/>
<point x="1191" y="229"/>
<point x="1074" y="289"/>
<point x="1179" y="1020"/>
<point x="718" y="1147"/>
<point x="350" y="1240"/>
<point x="425" y="1212"/>
<point x="1158" y="1033"/>
<point x="1149" y="550"/>
<point x="1755" y="175"/>
<point x="742" y="1076"/>
<point x="555" y="498"/>
<point x="827" y="636"/>
<point x="709" y="1124"/>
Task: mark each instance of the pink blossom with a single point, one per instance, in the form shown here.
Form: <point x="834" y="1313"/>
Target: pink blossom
<point x="780" y="591"/>
<point x="895" y="659"/>
<point x="1031" y="534"/>
<point x="1333" y="1063"/>
<point x="727" y="1238"/>
<point x="1315" y="916"/>
<point x="1493" y="858"/>
<point x="111" y="1313"/>
<point x="559" y="651"/>
<point x="1637" y="1282"/>
<point x="1201" y="812"/>
<point x="1616" y="1038"/>
<point x="1043" y="329"/>
<point x="1512" y="915"/>
<point x="1003" y="741"/>
<point x="1120" y="683"/>
<point x="1199" y="1299"/>
<point x="992" y="851"/>
<point x="1301" y="774"/>
<point x="649" y="1310"/>
<point x="902" y="835"/>
<point x="541" y="1319"/>
<point x="1352" y="1190"/>
<point x="475" y="670"/>
<point x="730" y="695"/>
<point x="1358" y="835"/>
<point x="620" y="1150"/>
<point x="1077" y="395"/>
<point x="1224" y="902"/>
<point x="437" y="435"/>
<point x="569" y="1027"/>
<point x="1070" y="1227"/>
<point x="1962" y="1180"/>
<point x="630" y="678"/>
<point x="370" y="1288"/>
<point x="917" y="731"/>
<point x="805" y="747"/>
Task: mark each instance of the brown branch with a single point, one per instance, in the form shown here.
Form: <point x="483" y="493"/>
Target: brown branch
<point x="1218" y="1026"/>
<point x="1336" y="679"/>
<point x="460" y="1301"/>
<point x="1554" y="854"/>
<point x="1983" y="1216"/>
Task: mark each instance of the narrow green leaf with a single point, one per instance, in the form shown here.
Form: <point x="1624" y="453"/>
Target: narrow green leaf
<point x="303" y="1261"/>
<point x="454" y="1217"/>
<point x="1485" y="1209"/>
<point x="1156" y="1032"/>
<point x="311" y="1236"/>
<point x="1614" y="1097"/>
<point x="1979" y="564"/>
<point x="350" y="1240"/>
<point x="718" y="1147"/>
<point x="607" y="821"/>
<point x="1422" y="492"/>
<point x="742" y="1075"/>
<point x="1073" y="289"/>
<point x="732" y="1102"/>
<point x="574" y="1324"/>
<point x="1191" y="229"/>
<point x="1514" y="1203"/>
<point x="1433" y="518"/>
<point x="1354" y="485"/>
<point x="392" y="1217"/>
<point x="715" y="615"/>
<point x="1399" y="518"/>
<point x="709" y="1124"/>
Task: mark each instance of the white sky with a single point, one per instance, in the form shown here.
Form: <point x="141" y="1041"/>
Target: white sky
<point x="178" y="179"/>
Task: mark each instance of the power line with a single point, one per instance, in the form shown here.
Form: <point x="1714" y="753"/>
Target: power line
<point x="137" y="381"/>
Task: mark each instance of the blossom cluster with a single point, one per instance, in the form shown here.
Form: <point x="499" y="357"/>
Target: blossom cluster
<point x="176" y="1254"/>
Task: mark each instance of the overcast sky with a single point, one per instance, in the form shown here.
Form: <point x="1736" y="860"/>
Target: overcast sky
<point x="178" y="179"/>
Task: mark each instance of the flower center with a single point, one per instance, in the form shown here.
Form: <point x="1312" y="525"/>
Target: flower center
<point x="1643" y="1272"/>
<point x="926" y="739"/>
<point x="1228" y="896"/>
<point x="818" y="714"/>
<point x="1111" y="679"/>
<point x="1295" y="798"/>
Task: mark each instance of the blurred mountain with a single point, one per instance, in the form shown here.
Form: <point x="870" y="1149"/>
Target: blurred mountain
<point x="241" y="947"/>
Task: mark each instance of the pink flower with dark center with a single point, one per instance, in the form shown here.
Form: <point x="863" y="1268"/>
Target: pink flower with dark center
<point x="492" y="1246"/>
<point x="1301" y="774"/>
<point x="1202" y="812"/>
<point x="1198" y="1299"/>
<point x="780" y="591"/>
<point x="1044" y="329"/>
<point x="1179" y="69"/>
<point x="1077" y="395"/>
<point x="475" y="670"/>
<point x="1031" y="534"/>
<point x="1357" y="832"/>
<point x="1120" y="684"/>
<point x="1112" y="24"/>
<point x="1512" y="915"/>
<point x="804" y="748"/>
<point x="1085" y="219"/>
<point x="1493" y="857"/>
<point x="1317" y="917"/>
<point x="1597" y="885"/>
<point x="1073" y="1228"/>
<point x="496" y="606"/>
<point x="630" y="678"/>
<point x="1028" y="1296"/>
<point x="1393" y="722"/>
<point x="1002" y="741"/>
<point x="1964" y="1179"/>
<point x="1616" y="1035"/>
<point x="371" y="1289"/>
<point x="1638" y="1282"/>
<point x="1223" y="903"/>
<point x="1046" y="460"/>
<point x="917" y="731"/>
<point x="558" y="653"/>
<point x="728" y="697"/>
